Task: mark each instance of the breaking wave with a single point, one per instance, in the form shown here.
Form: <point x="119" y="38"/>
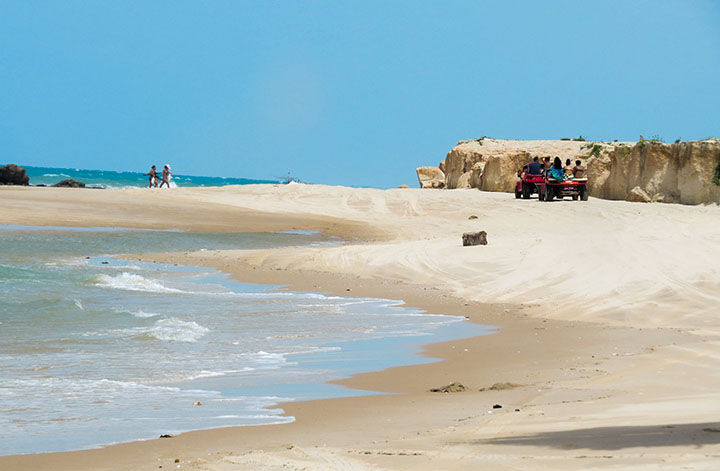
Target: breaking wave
<point x="133" y="282"/>
<point x="175" y="330"/>
<point x="169" y="329"/>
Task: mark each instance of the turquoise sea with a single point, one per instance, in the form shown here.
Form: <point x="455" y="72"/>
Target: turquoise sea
<point x="95" y="350"/>
<point x="109" y="179"/>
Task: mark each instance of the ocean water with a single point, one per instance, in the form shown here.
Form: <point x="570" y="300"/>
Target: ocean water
<point x="109" y="179"/>
<point x="95" y="350"/>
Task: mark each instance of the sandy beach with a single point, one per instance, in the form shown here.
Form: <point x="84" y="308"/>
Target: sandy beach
<point x="605" y="354"/>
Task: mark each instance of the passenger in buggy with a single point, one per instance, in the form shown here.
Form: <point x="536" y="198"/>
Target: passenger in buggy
<point x="547" y="165"/>
<point x="578" y="170"/>
<point x="556" y="172"/>
<point x="521" y="173"/>
<point x="535" y="167"/>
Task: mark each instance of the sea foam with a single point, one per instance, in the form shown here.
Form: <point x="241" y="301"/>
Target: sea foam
<point x="175" y="330"/>
<point x="133" y="282"/>
<point x="169" y="329"/>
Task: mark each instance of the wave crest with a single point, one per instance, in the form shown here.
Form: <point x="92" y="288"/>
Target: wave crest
<point x="133" y="282"/>
<point x="175" y="330"/>
<point x="169" y="329"/>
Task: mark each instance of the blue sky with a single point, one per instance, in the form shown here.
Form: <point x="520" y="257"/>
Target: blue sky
<point x="343" y="92"/>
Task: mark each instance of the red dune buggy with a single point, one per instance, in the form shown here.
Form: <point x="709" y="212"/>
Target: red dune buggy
<point x="528" y="184"/>
<point x="550" y="189"/>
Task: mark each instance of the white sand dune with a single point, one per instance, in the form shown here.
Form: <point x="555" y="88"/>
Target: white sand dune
<point x="610" y="261"/>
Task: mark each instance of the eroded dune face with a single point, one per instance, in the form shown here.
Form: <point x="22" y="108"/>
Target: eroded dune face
<point x="681" y="172"/>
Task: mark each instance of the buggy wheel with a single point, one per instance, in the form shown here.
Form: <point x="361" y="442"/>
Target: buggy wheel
<point x="575" y="197"/>
<point x="541" y="195"/>
<point x="517" y="193"/>
<point x="584" y="193"/>
<point x="525" y="191"/>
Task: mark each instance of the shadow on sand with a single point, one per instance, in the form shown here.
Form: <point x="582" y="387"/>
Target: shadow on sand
<point x="616" y="438"/>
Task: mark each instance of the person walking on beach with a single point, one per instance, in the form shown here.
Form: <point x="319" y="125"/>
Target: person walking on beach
<point x="166" y="176"/>
<point x="153" y="177"/>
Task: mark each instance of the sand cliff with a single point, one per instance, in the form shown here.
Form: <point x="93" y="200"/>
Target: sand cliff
<point x="681" y="172"/>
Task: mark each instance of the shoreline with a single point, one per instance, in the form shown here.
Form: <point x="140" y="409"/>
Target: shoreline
<point x="404" y="388"/>
<point x="589" y="394"/>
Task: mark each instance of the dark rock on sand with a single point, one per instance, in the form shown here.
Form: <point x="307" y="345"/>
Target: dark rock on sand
<point x="474" y="238"/>
<point x="69" y="183"/>
<point x="165" y="435"/>
<point x="450" y="388"/>
<point x="12" y="174"/>
<point x="497" y="406"/>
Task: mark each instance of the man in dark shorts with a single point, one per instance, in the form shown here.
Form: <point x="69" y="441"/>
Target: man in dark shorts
<point x="535" y="168"/>
<point x="153" y="177"/>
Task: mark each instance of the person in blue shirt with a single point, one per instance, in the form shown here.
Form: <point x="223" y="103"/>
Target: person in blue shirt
<point x="535" y="168"/>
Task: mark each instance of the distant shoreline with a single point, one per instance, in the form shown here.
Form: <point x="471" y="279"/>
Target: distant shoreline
<point x="49" y="176"/>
